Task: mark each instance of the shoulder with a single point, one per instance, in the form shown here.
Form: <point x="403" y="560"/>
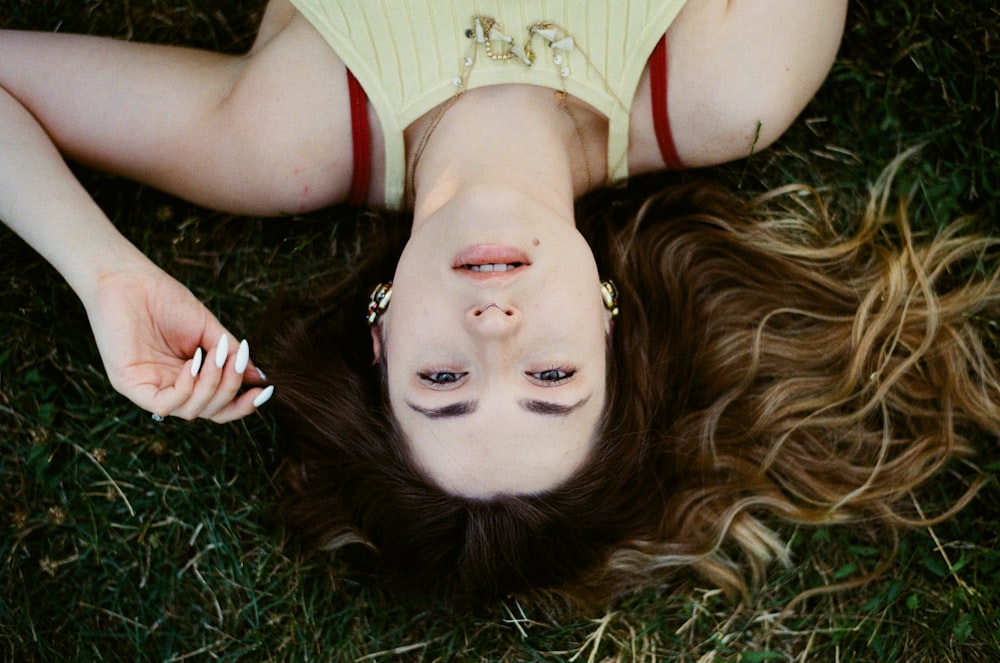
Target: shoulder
<point x="740" y="72"/>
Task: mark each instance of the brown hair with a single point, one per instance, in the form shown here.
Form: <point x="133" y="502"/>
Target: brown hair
<point x="765" y="363"/>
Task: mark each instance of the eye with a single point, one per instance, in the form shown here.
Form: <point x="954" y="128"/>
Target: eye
<point x="553" y="376"/>
<point x="439" y="379"/>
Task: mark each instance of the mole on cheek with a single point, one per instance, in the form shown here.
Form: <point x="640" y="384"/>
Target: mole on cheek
<point x="535" y="242"/>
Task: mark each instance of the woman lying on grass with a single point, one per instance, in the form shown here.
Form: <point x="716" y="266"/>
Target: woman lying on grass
<point x="545" y="397"/>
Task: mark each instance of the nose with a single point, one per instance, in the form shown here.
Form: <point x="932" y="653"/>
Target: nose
<point x="493" y="319"/>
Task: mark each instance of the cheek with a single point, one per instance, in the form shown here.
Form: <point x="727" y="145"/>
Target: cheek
<point x="421" y="332"/>
<point x="419" y="319"/>
<point x="579" y="309"/>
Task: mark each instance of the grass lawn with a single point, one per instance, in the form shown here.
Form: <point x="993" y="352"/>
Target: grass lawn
<point x="123" y="539"/>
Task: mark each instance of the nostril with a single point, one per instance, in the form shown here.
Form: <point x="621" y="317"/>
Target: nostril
<point x="508" y="311"/>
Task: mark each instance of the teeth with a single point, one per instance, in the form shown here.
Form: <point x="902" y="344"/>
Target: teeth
<point x="492" y="268"/>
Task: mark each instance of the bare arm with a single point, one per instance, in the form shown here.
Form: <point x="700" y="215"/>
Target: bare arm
<point x="261" y="134"/>
<point x="115" y="105"/>
<point x="43" y="202"/>
<point x="736" y="65"/>
<point x="264" y="134"/>
<point x="147" y="325"/>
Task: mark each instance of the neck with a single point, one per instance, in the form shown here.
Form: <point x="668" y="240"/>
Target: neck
<point x="518" y="140"/>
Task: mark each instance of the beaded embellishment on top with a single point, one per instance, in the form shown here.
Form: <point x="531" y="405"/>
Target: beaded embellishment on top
<point x="501" y="47"/>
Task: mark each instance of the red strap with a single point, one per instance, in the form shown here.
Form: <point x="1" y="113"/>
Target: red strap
<point x="361" y="141"/>
<point x="661" y="118"/>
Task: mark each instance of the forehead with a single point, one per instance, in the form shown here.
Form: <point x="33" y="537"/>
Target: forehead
<point x="501" y="447"/>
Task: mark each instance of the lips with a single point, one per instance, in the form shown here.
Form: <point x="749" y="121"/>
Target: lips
<point x="491" y="262"/>
<point x="490" y="254"/>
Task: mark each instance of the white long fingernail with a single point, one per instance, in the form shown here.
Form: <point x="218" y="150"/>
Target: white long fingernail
<point x="222" y="352"/>
<point x="242" y="357"/>
<point x="196" y="363"/>
<point x="264" y="396"/>
<point x="261" y="374"/>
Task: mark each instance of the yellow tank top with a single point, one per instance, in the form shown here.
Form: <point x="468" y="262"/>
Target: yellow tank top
<point x="412" y="55"/>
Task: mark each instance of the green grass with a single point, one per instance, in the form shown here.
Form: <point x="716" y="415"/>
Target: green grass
<point x="122" y="539"/>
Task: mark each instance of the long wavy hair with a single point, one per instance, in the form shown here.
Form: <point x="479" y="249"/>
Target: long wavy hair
<point x="769" y="365"/>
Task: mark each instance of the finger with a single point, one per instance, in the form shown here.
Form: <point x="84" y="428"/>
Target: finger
<point x="247" y="403"/>
<point x="234" y="368"/>
<point x="207" y="382"/>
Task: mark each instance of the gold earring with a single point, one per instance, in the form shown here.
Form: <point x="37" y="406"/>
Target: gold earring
<point x="379" y="302"/>
<point x="610" y="295"/>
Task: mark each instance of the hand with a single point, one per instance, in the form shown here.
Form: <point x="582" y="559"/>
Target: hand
<point x="166" y="352"/>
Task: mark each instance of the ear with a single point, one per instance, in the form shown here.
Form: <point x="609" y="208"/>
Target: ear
<point x="376" y="330"/>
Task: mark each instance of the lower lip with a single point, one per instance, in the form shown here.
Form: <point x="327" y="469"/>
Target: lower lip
<point x="490" y="254"/>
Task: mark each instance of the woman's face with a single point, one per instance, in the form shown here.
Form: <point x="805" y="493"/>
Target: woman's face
<point x="496" y="378"/>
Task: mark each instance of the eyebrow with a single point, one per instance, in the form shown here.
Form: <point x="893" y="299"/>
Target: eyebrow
<point x="465" y="408"/>
<point x="460" y="409"/>
<point x="544" y="407"/>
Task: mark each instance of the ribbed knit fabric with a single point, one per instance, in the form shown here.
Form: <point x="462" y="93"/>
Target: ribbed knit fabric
<point x="408" y="55"/>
